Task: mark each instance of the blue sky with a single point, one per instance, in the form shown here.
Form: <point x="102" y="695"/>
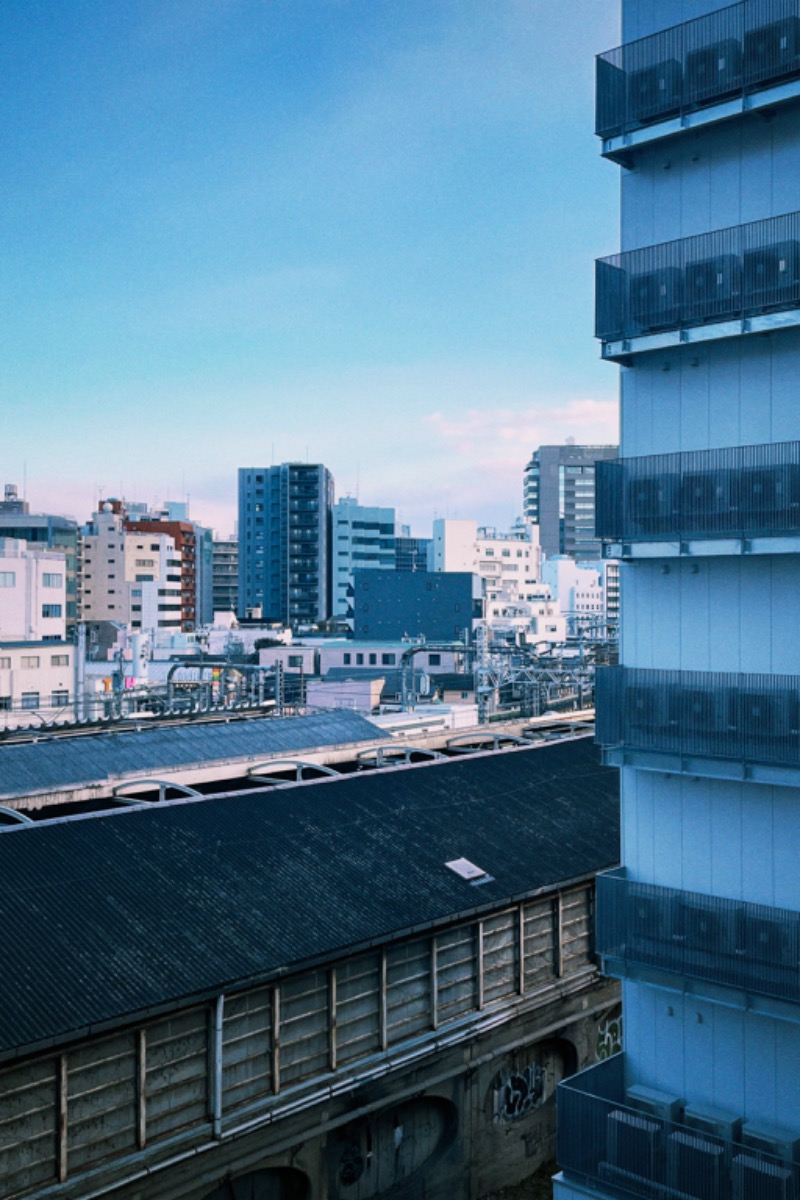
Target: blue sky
<point x="238" y="232"/>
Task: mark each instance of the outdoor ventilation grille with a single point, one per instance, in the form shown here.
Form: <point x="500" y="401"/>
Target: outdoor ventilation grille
<point x="729" y="492"/>
<point x="467" y="870"/>
<point x="753" y="1177"/>
<point x="727" y="274"/>
<point x="744" y="46"/>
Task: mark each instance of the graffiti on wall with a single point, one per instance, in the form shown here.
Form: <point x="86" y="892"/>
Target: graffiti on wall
<point x="518" y="1093"/>
<point x="609" y="1035"/>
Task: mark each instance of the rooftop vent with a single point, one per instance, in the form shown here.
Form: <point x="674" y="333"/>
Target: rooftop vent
<point x="467" y="870"/>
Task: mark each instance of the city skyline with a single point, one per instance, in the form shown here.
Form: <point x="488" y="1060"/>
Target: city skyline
<point x="334" y="232"/>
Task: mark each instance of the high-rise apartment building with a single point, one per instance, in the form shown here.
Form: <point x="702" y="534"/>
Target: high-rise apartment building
<point x="226" y="575"/>
<point x="130" y="576"/>
<point x="285" y="542"/>
<point x="363" y="539"/>
<point x="702" y="309"/>
<point x="558" y="496"/>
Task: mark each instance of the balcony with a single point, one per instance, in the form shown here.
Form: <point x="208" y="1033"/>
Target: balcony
<point x="745" y="279"/>
<point x="606" y="1139"/>
<point x="749" y="947"/>
<point x="701" y="723"/>
<point x="745" y="498"/>
<point x="731" y="61"/>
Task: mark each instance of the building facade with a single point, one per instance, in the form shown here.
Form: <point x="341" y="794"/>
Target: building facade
<point x="558" y="497"/>
<point x="440" y="606"/>
<point x="285" y="516"/>
<point x="702" y="309"/>
<point x="46" y="532"/>
<point x="225" y="575"/>
<point x="129" y="577"/>
<point x="382" y="1016"/>
<point x="363" y="538"/>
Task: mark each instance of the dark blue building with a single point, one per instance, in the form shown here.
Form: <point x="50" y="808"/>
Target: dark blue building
<point x="440" y="605"/>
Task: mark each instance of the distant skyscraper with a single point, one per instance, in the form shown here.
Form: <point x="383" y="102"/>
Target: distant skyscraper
<point x="285" y="542"/>
<point x="559" y="497"/>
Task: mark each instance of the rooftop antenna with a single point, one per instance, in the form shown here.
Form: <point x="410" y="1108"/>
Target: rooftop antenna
<point x="358" y="479"/>
<point x="24" y="479"/>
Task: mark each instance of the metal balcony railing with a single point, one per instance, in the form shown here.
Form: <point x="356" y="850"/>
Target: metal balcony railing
<point x="725" y="275"/>
<point x="747" y="946"/>
<point x="734" y="492"/>
<point x="603" y="1140"/>
<point x="752" y="718"/>
<point x="737" y="49"/>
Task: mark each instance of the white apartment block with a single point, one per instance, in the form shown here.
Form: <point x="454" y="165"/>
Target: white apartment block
<point x="509" y="563"/>
<point x="33" y="596"/>
<point x="37" y="682"/>
<point x="583" y="593"/>
<point x="133" y="579"/>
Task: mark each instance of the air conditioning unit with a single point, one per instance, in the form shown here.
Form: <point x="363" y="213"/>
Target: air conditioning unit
<point x="713" y="71"/>
<point x="755" y="491"/>
<point x="766" y="941"/>
<point x="654" y="1103"/>
<point x="648" y="929"/>
<point x="712" y="288"/>
<point x="753" y="1178"/>
<point x="695" y="1166"/>
<point x="651" y="501"/>
<point x="772" y="1140"/>
<point x="771" y="275"/>
<point x="702" y="495"/>
<point x="655" y="91"/>
<point x="633" y="1145"/>
<point x="702" y="929"/>
<point x="712" y="1122"/>
<point x="772" y="50"/>
<point x="656" y="298"/>
<point x="693" y="710"/>
<point x="641" y="709"/>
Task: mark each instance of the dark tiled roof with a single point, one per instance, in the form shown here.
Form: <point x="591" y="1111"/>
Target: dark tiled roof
<point x="69" y="761"/>
<point x="109" y="915"/>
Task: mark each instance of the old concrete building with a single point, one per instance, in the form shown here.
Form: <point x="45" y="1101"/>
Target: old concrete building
<point x="365" y="986"/>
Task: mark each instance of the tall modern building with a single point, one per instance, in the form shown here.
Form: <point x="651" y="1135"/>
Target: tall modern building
<point x="226" y="575"/>
<point x="363" y="539"/>
<point x="702" y="309"/>
<point x="558" y="496"/>
<point x="285" y="542"/>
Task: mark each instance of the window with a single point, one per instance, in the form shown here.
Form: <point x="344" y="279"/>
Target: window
<point x="51" y="610"/>
<point x="59" y="699"/>
<point x="8" y="579"/>
<point x="373" y="658"/>
<point x="5" y="704"/>
<point x="29" y="661"/>
<point x="434" y="660"/>
<point x="144" y="578"/>
<point x="295" y="660"/>
<point x="388" y="660"/>
<point x="145" y="562"/>
<point x="59" y="660"/>
<point x="5" y="663"/>
<point x="346" y="659"/>
<point x="30" y="699"/>
<point x="359" y="660"/>
<point x="50" y="579"/>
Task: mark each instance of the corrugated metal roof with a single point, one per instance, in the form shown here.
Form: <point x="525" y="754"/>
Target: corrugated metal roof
<point x="109" y="915"/>
<point x="69" y="761"/>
